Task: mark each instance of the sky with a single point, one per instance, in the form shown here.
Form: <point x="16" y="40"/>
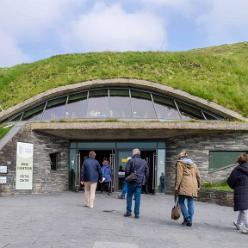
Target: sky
<point x="35" y="29"/>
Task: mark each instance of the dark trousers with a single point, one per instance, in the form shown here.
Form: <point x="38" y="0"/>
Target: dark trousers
<point x="133" y="190"/>
<point x="106" y="186"/>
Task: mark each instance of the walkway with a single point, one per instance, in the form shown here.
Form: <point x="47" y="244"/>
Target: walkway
<point x="60" y="220"/>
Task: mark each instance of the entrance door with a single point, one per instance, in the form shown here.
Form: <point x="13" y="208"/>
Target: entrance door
<point x="100" y="156"/>
<point x="150" y="157"/>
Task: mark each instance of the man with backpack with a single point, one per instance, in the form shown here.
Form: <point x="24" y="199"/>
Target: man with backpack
<point x="137" y="173"/>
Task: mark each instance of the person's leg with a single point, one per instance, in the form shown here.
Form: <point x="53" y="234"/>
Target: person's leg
<point x="87" y="194"/>
<point x="92" y="194"/>
<point x="191" y="208"/>
<point x="246" y="218"/>
<point x="183" y="207"/>
<point x="130" y="191"/>
<point x="240" y="218"/>
<point x="137" y="201"/>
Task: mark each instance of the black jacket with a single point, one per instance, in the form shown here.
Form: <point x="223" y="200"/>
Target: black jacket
<point x="238" y="180"/>
<point x="91" y="170"/>
<point x="140" y="167"/>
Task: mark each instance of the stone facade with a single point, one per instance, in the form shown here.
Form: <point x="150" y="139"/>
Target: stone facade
<point x="44" y="179"/>
<point x="198" y="147"/>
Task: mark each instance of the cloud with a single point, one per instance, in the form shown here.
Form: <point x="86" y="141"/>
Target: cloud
<point x="10" y="52"/>
<point x="111" y="28"/>
<point x="225" y="21"/>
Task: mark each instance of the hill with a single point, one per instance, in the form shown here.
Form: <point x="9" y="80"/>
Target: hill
<point x="218" y="74"/>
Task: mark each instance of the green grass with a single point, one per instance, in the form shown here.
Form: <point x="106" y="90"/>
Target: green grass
<point x="223" y="186"/>
<point x="4" y="131"/>
<point x="218" y="74"/>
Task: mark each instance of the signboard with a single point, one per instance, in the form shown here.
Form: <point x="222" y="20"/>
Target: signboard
<point x="24" y="166"/>
<point x="3" y="180"/>
<point x="3" y="169"/>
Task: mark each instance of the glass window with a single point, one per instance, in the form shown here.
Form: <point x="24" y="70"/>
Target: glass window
<point x="120" y="105"/>
<point x="142" y="105"/>
<point x="221" y="159"/>
<point x="189" y="111"/>
<point x="78" y="97"/>
<point x="98" y="93"/>
<point x="165" y="108"/>
<point x="98" y="107"/>
<point x="76" y="110"/>
<point x="211" y="116"/>
<point x="56" y="102"/>
<point x="34" y="112"/>
<point x="55" y="113"/>
<point x="119" y="92"/>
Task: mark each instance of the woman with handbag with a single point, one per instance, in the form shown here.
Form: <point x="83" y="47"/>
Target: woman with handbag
<point x="187" y="185"/>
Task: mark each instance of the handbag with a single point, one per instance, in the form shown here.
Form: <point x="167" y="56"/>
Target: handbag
<point x="132" y="178"/>
<point x="175" y="211"/>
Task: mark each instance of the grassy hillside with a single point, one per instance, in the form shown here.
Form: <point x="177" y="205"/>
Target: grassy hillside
<point x="219" y="74"/>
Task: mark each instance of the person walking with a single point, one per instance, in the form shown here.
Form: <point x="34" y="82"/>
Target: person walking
<point x="91" y="173"/>
<point x="238" y="180"/>
<point x="187" y="185"/>
<point x="124" y="186"/>
<point x="107" y="176"/>
<point x="137" y="173"/>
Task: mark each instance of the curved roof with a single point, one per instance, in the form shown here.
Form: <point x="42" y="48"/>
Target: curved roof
<point x="120" y="82"/>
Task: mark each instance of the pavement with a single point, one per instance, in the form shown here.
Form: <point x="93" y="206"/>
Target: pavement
<point x="60" y="220"/>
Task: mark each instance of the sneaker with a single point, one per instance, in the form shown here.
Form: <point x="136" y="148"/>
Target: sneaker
<point x="244" y="229"/>
<point x="188" y="224"/>
<point x="184" y="222"/>
<point x="237" y="226"/>
<point x="127" y="214"/>
<point x="136" y="216"/>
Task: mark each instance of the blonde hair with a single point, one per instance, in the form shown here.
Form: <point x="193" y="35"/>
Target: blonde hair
<point x="183" y="153"/>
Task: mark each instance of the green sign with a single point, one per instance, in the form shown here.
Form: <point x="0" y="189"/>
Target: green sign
<point x="24" y="166"/>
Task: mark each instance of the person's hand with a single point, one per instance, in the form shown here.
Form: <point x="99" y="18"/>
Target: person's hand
<point x="82" y="182"/>
<point x="176" y="191"/>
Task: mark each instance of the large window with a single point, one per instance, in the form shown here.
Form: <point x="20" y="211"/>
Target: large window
<point x="221" y="159"/>
<point x="115" y="102"/>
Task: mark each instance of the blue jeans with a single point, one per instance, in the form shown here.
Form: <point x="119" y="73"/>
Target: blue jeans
<point x="188" y="211"/>
<point x="124" y="189"/>
<point x="133" y="189"/>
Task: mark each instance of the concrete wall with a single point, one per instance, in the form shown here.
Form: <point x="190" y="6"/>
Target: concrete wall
<point x="198" y="147"/>
<point x="44" y="179"/>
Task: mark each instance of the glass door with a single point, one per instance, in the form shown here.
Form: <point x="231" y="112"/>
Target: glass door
<point x="113" y="168"/>
<point x="123" y="156"/>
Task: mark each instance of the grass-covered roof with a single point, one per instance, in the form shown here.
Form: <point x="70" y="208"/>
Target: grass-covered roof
<point x="218" y="74"/>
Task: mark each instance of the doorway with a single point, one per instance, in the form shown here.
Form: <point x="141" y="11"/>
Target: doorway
<point x="150" y="157"/>
<point x="100" y="156"/>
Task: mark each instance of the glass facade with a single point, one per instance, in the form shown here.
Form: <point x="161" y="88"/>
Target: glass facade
<point x="115" y="102"/>
<point x="118" y="153"/>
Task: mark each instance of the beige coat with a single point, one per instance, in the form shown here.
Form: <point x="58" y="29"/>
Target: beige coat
<point x="187" y="179"/>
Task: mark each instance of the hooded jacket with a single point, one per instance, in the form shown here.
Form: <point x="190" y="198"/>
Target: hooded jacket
<point x="238" y="180"/>
<point x="187" y="177"/>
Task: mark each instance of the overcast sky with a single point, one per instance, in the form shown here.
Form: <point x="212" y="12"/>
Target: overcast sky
<point x="35" y="29"/>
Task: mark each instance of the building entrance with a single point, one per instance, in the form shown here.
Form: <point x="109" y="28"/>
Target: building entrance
<point x="100" y="156"/>
<point x="117" y="153"/>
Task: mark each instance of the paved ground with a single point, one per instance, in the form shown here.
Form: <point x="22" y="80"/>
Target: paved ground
<point x="60" y="220"/>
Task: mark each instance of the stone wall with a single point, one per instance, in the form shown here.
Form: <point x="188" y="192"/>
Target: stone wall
<point x="198" y="147"/>
<point x="44" y="179"/>
<point x="222" y="198"/>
